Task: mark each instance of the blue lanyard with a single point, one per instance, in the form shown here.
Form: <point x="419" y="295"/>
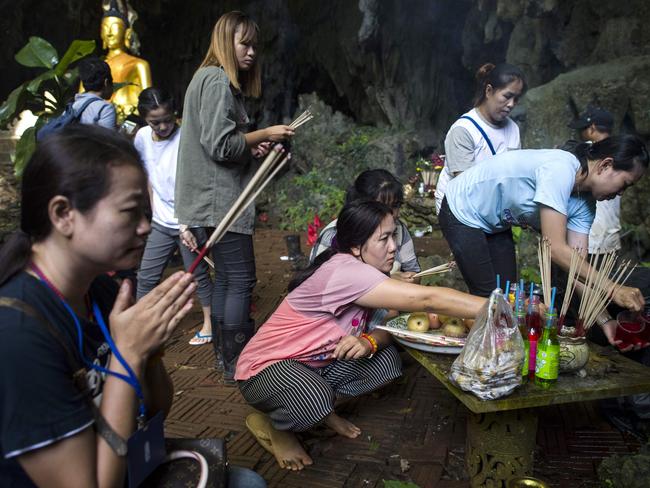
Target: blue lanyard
<point x="131" y="379"/>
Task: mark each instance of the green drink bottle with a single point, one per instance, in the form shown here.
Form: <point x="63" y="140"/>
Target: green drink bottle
<point x="548" y="353"/>
<point x="521" y="323"/>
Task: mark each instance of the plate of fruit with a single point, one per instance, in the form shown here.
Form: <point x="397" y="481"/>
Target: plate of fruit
<point x="429" y="332"/>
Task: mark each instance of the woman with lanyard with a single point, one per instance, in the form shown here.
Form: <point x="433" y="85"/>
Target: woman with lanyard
<point x="317" y="346"/>
<point x="80" y="366"/>
<point x="487" y="129"/>
<point x="217" y="158"/>
<point x="551" y="190"/>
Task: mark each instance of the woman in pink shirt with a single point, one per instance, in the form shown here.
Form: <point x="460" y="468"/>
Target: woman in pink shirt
<point x="316" y="347"/>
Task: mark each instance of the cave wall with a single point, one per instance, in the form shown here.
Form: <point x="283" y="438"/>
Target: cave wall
<point x="402" y="64"/>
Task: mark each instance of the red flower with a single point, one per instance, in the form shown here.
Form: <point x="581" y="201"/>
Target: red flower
<point x="312" y="234"/>
<point x="263" y="217"/>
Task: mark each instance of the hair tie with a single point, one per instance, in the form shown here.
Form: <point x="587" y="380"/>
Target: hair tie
<point x="335" y="245"/>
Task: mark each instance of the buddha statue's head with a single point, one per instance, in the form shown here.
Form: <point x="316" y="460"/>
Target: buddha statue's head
<point x="113" y="32"/>
<point x="116" y="32"/>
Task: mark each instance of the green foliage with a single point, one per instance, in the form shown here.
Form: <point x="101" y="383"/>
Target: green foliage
<point x="321" y="189"/>
<point x="399" y="484"/>
<point x="308" y="195"/>
<point x="57" y="80"/>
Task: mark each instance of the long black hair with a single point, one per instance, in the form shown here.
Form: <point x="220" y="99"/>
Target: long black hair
<point x="376" y="184"/>
<point x="356" y="223"/>
<point x="153" y="98"/>
<point x="498" y="76"/>
<point x="74" y="163"/>
<point x="626" y="151"/>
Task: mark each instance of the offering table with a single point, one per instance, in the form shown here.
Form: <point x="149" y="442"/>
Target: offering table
<point x="501" y="433"/>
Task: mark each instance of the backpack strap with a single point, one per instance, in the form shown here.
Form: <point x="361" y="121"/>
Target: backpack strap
<point x="84" y="106"/>
<point x="480" y="129"/>
<point x="111" y="437"/>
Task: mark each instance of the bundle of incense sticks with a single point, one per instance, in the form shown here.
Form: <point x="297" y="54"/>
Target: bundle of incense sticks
<point x="600" y="285"/>
<point x="273" y="163"/>
<point x="443" y="268"/>
<point x="544" y="257"/>
<point x="577" y="260"/>
<point x="303" y="118"/>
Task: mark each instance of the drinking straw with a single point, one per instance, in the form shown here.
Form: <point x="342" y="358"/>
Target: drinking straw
<point x="498" y="281"/>
<point x="532" y="285"/>
<point x="553" y="290"/>
<point x="507" y="288"/>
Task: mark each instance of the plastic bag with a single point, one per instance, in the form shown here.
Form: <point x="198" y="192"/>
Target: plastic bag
<point x="490" y="364"/>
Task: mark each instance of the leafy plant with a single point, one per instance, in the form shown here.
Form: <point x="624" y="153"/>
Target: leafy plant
<point x="47" y="94"/>
<point x="305" y="196"/>
<point x="399" y="484"/>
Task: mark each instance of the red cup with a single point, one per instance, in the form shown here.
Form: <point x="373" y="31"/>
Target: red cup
<point x="630" y="330"/>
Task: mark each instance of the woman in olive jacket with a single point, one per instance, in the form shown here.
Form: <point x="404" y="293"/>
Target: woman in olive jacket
<point x="217" y="158"/>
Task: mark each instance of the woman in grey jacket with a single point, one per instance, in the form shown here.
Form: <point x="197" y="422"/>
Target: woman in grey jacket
<point x="217" y="158"/>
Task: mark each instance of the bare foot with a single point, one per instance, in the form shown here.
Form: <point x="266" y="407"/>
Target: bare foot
<point x="288" y="451"/>
<point x="342" y="426"/>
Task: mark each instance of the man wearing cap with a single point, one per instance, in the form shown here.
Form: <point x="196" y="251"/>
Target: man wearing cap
<point x="596" y="124"/>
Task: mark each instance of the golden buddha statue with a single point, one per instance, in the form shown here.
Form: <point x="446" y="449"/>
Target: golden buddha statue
<point x="116" y="34"/>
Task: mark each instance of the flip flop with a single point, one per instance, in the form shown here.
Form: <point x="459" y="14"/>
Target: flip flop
<point x="200" y="339"/>
<point x="259" y="425"/>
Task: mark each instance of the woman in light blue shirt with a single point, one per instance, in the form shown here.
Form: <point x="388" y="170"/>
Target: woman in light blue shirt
<point x="551" y="190"/>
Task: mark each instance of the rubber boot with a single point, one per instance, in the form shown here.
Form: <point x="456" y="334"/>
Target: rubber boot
<point x="216" y="342"/>
<point x="233" y="339"/>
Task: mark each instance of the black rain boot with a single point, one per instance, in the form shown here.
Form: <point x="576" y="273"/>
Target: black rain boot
<point x="216" y="342"/>
<point x="233" y="339"/>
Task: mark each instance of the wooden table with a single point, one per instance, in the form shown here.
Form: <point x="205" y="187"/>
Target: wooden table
<point x="501" y="433"/>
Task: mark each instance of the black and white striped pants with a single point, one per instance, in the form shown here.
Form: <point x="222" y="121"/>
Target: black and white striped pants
<point x="297" y="397"/>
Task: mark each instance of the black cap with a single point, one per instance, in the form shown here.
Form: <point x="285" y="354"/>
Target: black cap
<point x="596" y="116"/>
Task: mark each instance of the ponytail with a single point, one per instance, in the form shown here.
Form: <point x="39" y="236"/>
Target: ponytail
<point x="626" y="151"/>
<point x="497" y="76"/>
<point x="14" y="255"/>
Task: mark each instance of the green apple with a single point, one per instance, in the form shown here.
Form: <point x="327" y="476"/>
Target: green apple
<point x="418" y="322"/>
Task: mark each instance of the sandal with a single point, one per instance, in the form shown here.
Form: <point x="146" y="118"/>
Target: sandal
<point x="259" y="425"/>
<point x="200" y="339"/>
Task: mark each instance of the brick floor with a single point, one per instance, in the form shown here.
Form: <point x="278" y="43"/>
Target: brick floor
<point x="412" y="430"/>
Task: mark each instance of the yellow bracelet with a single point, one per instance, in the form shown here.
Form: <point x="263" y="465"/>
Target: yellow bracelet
<point x="373" y="343"/>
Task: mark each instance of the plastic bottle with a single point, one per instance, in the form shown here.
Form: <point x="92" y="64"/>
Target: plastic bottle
<point x="521" y="323"/>
<point x="548" y="353"/>
<point x="534" y="331"/>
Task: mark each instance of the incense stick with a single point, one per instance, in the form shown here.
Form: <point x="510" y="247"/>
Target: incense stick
<point x="259" y="180"/>
<point x="303" y="118"/>
<point x="544" y="257"/>
<point x="577" y="259"/>
<point x="443" y="268"/>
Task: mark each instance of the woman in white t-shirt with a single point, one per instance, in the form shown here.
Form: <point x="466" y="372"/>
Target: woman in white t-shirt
<point x="485" y="130"/>
<point x="551" y="190"/>
<point x="317" y="346"/>
<point x="157" y="144"/>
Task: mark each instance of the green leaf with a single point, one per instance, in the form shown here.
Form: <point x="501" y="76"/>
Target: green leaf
<point x="399" y="484"/>
<point x="34" y="85"/>
<point x="24" y="150"/>
<point x="122" y="84"/>
<point x="77" y="50"/>
<point x="12" y="105"/>
<point x="37" y="53"/>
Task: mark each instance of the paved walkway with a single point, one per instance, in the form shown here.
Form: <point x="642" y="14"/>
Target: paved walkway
<point x="412" y="430"/>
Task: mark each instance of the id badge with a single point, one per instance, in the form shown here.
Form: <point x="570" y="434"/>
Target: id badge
<point x="146" y="450"/>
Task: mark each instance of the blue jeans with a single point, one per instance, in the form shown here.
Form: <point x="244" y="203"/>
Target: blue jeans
<point x="244" y="478"/>
<point x="234" y="266"/>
